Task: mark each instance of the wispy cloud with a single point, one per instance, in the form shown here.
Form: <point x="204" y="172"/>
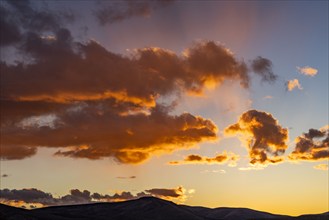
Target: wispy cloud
<point x="321" y="167"/>
<point x="224" y="157"/>
<point x="214" y="171"/>
<point x="126" y="177"/>
<point x="307" y="70"/>
<point x="249" y="168"/>
<point x="111" y="12"/>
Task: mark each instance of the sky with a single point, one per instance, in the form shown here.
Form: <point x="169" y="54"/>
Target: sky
<point x="205" y="103"/>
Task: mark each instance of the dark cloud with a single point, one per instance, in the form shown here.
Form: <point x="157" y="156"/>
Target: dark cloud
<point x="4" y="175"/>
<point x="263" y="67"/>
<point x="37" y="197"/>
<point x="16" y="152"/>
<point x="167" y="193"/>
<point x="126" y="177"/>
<point x="265" y="139"/>
<point x="111" y="12"/>
<point x="27" y="195"/>
<point x="19" y="18"/>
<point x="91" y="103"/>
<point x="313" y="145"/>
<point x="218" y="159"/>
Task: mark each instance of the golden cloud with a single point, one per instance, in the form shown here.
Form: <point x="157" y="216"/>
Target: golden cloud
<point x="307" y="70"/>
<point x="312" y="146"/>
<point x="224" y="157"/>
<point x="262" y="135"/>
<point x="293" y="84"/>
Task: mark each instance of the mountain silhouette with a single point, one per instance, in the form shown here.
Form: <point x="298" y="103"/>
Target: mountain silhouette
<point x="146" y="208"/>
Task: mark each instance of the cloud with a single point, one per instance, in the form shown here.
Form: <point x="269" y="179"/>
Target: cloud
<point x="16" y="152"/>
<point x="214" y="171"/>
<point x="293" y="84"/>
<point x="111" y="12"/>
<point x="249" y="168"/>
<point x="218" y="159"/>
<point x="263" y="67"/>
<point x="312" y="146"/>
<point x="4" y="175"/>
<point x="126" y="177"/>
<point x="27" y="195"/>
<point x="321" y="167"/>
<point x="37" y="197"/>
<point x="88" y="102"/>
<point x="307" y="70"/>
<point x="178" y="193"/>
<point x="20" y="17"/>
<point x="262" y="135"/>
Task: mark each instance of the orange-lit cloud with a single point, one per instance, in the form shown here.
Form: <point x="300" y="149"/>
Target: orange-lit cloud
<point x="89" y="102"/>
<point x="321" y="167"/>
<point x="130" y="139"/>
<point x="307" y="70"/>
<point x="262" y="135"/>
<point x="312" y="146"/>
<point x="178" y="193"/>
<point x="218" y="159"/>
<point x="293" y="84"/>
<point x="38" y="198"/>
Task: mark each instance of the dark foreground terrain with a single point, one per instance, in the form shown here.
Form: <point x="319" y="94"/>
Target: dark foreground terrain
<point x="147" y="208"/>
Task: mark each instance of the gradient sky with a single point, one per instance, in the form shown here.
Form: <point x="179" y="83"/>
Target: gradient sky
<point x="208" y="103"/>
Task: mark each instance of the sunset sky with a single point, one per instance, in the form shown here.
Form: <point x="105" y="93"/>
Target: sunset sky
<point x="206" y="103"/>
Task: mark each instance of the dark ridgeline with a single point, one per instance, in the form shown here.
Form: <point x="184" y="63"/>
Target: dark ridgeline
<point x="147" y="208"/>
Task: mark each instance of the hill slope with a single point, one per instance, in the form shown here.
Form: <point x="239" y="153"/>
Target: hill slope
<point x="147" y="208"/>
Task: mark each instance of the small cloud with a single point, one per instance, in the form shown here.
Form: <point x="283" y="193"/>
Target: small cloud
<point x="293" y="84"/>
<point x="178" y="193"/>
<point x="191" y="191"/>
<point x="214" y="171"/>
<point x="307" y="70"/>
<point x="4" y="175"/>
<point x="126" y="177"/>
<point x="224" y="157"/>
<point x="321" y="167"/>
<point x="251" y="168"/>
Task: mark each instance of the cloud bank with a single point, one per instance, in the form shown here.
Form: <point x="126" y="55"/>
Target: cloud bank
<point x="262" y="135"/>
<point x="27" y="197"/>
